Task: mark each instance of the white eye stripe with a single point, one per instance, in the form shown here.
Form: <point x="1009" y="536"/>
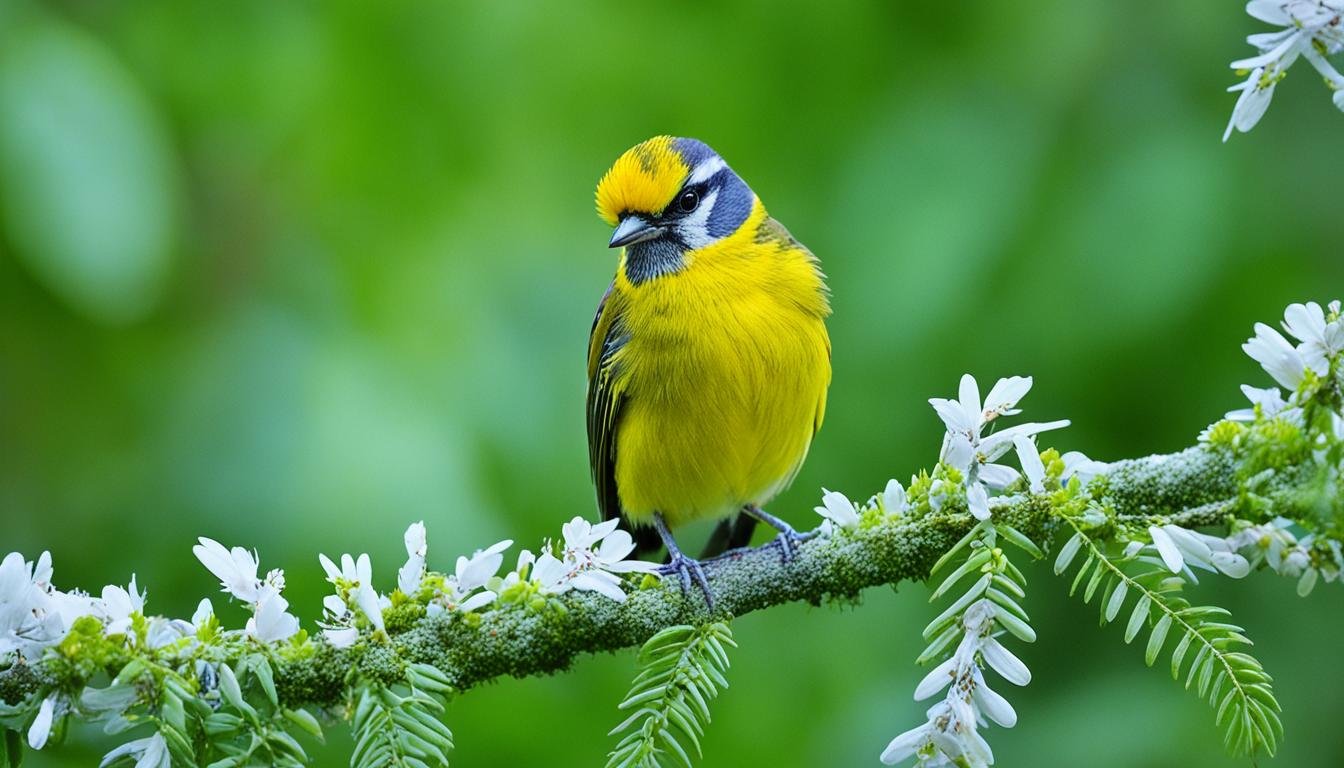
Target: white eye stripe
<point x="705" y="170"/>
<point x="694" y="229"/>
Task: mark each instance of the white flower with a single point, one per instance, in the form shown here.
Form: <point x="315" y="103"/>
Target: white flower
<point x="271" y="623"/>
<point x="236" y="569"/>
<point x="581" y="567"/>
<point x="354" y="579"/>
<point x="1269" y="401"/>
<point x="413" y="572"/>
<point x="838" y="511"/>
<point x="550" y="574"/>
<point x="950" y="735"/>
<point x="1310" y="28"/>
<point x="41" y="727"/>
<point x="472" y="574"/>
<point x="149" y="752"/>
<point x="29" y="621"/>
<point x="1279" y="358"/>
<point x="1181" y="548"/>
<point x="119" y="606"/>
<point x="1320" y="340"/>
<point x="971" y="453"/>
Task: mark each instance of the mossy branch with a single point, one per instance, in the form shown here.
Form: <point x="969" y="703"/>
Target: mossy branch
<point x="1196" y="486"/>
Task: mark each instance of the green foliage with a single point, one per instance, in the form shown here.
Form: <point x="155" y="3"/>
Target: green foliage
<point x="402" y="727"/>
<point x="1231" y="680"/>
<point x="681" y="669"/>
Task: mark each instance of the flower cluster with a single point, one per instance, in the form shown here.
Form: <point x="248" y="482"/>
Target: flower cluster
<point x="972" y="453"/>
<point x="838" y="512"/>
<point x="237" y="570"/>
<point x="1181" y="549"/>
<point x="1320" y="337"/>
<point x="35" y="616"/>
<point x="1310" y="29"/>
<point x="1275" y="544"/>
<point x="951" y="734"/>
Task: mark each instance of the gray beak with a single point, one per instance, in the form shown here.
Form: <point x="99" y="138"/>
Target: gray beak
<point x="634" y="229"/>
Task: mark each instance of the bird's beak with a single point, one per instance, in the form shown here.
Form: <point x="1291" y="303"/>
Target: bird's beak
<point x="633" y="229"/>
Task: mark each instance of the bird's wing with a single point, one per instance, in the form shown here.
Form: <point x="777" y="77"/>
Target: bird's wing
<point x="604" y="405"/>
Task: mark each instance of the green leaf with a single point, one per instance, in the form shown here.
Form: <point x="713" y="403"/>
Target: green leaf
<point x="1156" y="639"/>
<point x="1117" y="600"/>
<point x="1020" y="540"/>
<point x="680" y="672"/>
<point x="1067" y="553"/>
<point x="1137" y="617"/>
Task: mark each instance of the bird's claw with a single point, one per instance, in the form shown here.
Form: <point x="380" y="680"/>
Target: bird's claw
<point x="688" y="570"/>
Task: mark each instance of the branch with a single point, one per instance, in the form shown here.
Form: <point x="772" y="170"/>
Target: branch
<point x="1196" y="486"/>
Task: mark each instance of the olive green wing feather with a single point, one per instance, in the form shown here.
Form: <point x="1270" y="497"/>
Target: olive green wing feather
<point x="605" y="401"/>
<point x="604" y="406"/>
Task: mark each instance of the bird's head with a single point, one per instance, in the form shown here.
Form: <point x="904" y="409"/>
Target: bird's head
<point x="667" y="196"/>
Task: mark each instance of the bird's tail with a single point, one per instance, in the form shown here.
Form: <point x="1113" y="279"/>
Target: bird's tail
<point x="729" y="534"/>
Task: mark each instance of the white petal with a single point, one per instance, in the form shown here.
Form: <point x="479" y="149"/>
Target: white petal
<point x="364" y="570"/>
<point x="1004" y="396"/>
<point x="906" y="745"/>
<point x="994" y="706"/>
<point x="593" y="581"/>
<point x="41" y="727"/>
<point x="1002" y="660"/>
<point x="414" y="538"/>
<point x="1193" y="549"/>
<point x="893" y="498"/>
<point x="998" y="476"/>
<point x="1269" y="11"/>
<point x="367" y="600"/>
<point x="977" y="501"/>
<point x="1171" y="556"/>
<point x="616" y="546"/>
<point x="968" y="393"/>
<point x="952" y="414"/>
<point x="1031" y="462"/>
<point x="958" y="451"/>
<point x="1231" y="564"/>
<point x="936" y="680"/>
<point x="604" y="528"/>
<point x="478" y="600"/>
<point x="204" y="610"/>
<point x="341" y="638"/>
<point x="998" y="443"/>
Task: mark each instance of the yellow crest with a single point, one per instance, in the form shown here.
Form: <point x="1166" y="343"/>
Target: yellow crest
<point x="643" y="180"/>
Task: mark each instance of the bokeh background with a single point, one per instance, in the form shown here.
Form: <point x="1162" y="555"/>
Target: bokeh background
<point x="294" y="275"/>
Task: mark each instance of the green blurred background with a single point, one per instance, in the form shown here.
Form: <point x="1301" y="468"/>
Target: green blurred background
<point x="294" y="275"/>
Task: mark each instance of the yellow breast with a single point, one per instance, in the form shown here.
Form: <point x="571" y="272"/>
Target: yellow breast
<point x="724" y="373"/>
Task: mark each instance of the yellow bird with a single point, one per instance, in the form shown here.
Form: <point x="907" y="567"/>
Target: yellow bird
<point x="708" y="362"/>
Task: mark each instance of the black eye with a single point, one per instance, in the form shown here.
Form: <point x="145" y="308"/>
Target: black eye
<point x="688" y="201"/>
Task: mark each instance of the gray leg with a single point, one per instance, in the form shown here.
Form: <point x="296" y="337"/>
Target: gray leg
<point x="788" y="539"/>
<point x="678" y="563"/>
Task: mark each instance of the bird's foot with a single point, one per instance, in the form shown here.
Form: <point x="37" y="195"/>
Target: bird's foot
<point x="688" y="570"/>
<point x="788" y="538"/>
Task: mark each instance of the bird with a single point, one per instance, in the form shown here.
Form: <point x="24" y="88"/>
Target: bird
<point x="708" y="360"/>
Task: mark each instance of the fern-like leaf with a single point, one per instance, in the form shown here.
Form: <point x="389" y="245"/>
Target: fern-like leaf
<point x="1232" y="681"/>
<point x="394" y="729"/>
<point x="681" y="669"/>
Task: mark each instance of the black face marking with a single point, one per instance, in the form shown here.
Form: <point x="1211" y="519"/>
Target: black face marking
<point x="652" y="258"/>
